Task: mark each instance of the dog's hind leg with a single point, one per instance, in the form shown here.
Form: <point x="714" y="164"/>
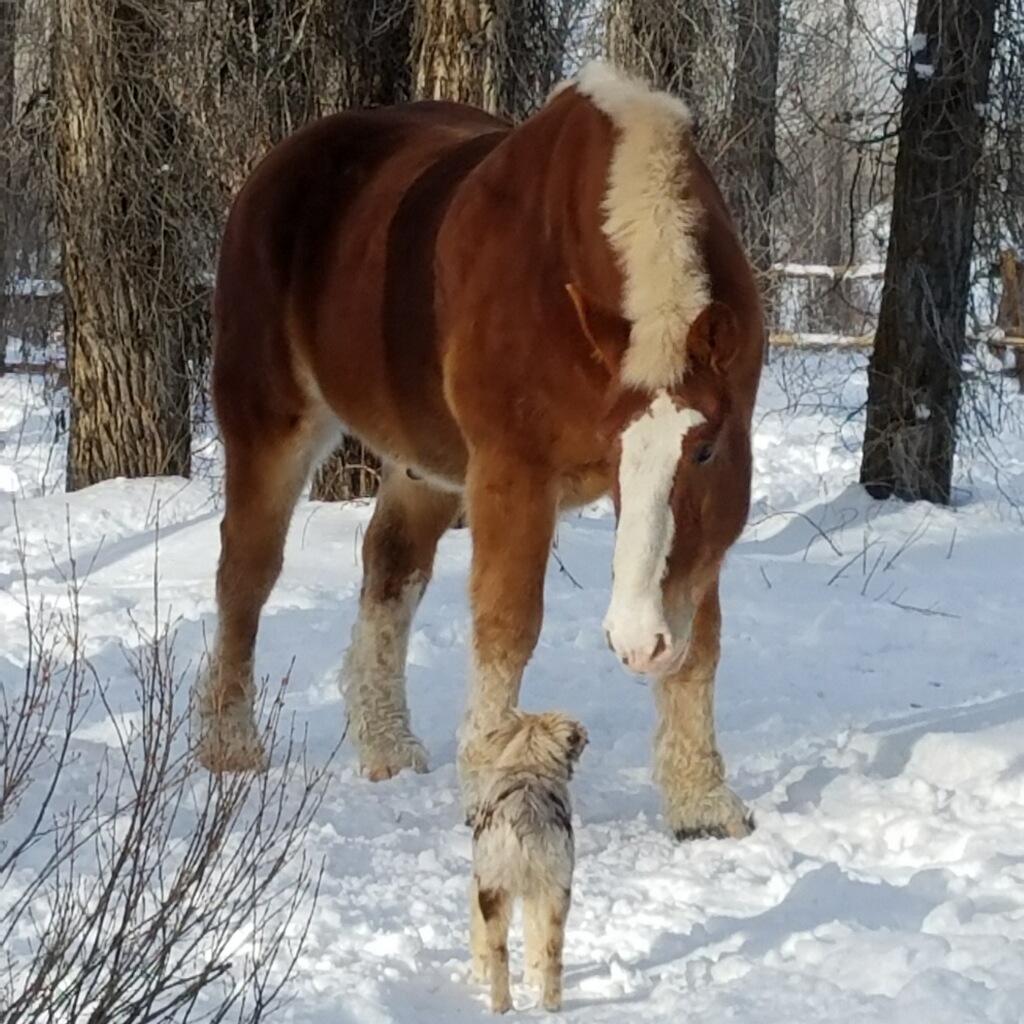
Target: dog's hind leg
<point x="549" y="912"/>
<point x="496" y="910"/>
<point x="477" y="935"/>
<point x="533" y="940"/>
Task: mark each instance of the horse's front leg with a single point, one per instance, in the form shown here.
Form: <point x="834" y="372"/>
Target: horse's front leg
<point x="511" y="507"/>
<point x="687" y="765"/>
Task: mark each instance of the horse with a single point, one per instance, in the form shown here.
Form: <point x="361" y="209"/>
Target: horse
<point x="515" y="318"/>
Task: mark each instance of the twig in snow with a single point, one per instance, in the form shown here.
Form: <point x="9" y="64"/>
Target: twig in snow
<point x="896" y="602"/>
<point x="918" y="531"/>
<point x="846" y="565"/>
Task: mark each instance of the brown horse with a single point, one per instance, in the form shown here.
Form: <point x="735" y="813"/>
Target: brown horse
<point x="517" y="320"/>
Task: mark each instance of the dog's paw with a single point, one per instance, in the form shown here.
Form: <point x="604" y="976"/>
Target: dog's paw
<point x="718" y="814"/>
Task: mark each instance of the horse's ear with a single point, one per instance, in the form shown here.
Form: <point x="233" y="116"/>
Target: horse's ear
<point x="714" y="337"/>
<point x="609" y="334"/>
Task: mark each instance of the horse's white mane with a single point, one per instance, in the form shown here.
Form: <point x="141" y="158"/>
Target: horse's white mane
<point x="651" y="220"/>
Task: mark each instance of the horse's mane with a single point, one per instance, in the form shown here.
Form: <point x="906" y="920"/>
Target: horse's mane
<point x="651" y="220"/>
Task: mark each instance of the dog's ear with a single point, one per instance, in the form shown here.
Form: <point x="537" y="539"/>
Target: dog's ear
<point x="577" y="741"/>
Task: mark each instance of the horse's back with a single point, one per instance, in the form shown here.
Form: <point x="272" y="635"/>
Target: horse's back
<point x="325" y="270"/>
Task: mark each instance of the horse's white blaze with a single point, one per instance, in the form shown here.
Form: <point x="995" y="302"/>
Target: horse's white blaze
<point x="651" y="450"/>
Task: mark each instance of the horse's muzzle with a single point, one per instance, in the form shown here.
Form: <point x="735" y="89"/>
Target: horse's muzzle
<point x="657" y="650"/>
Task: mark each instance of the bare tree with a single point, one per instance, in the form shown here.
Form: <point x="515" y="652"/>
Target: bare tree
<point x="1000" y="217"/>
<point x="1010" y="315"/>
<point x="9" y="10"/>
<point x="267" y="74"/>
<point x="659" y="40"/>
<point x="503" y="56"/>
<point x="368" y="46"/>
<point x="123" y="192"/>
<point x="751" y="157"/>
<point x="914" y="378"/>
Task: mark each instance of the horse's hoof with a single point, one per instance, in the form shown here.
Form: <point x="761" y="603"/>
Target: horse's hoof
<point x="229" y="740"/>
<point x="719" y="814"/>
<point x="716" y="831"/>
<point x="379" y="765"/>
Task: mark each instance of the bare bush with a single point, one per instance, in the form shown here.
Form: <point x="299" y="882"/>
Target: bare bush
<point x="137" y="887"/>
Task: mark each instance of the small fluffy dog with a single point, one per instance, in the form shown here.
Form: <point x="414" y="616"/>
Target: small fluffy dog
<point x="523" y="847"/>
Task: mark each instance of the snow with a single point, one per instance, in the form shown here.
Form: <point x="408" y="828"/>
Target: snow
<point x="870" y="711"/>
<point x="37" y="287"/>
<point x="924" y="70"/>
<point x="918" y="42"/>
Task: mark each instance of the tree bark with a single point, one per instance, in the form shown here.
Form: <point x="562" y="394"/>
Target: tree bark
<point x="658" y="40"/>
<point x="501" y="55"/>
<point x="751" y="159"/>
<point x="131" y="292"/>
<point x="914" y="377"/>
<point x="9" y="10"/>
<point x="371" y="44"/>
<point x="268" y="76"/>
<point x="1010" y="316"/>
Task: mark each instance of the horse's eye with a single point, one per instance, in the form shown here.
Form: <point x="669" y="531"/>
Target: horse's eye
<point x="703" y="453"/>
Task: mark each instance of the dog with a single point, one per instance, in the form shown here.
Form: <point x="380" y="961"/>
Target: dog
<point x="523" y="847"/>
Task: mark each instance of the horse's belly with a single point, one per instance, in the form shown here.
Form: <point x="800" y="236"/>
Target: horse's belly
<point x="585" y="485"/>
<point x="449" y="484"/>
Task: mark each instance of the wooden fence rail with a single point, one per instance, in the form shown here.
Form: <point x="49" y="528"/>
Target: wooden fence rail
<point x="808" y="340"/>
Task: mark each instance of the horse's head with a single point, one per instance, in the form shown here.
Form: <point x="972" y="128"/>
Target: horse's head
<point x="682" y="490"/>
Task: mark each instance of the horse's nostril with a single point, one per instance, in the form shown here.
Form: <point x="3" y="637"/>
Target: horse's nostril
<point x="660" y="646"/>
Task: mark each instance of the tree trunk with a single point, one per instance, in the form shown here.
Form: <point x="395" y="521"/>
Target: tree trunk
<point x="268" y="79"/>
<point x="130" y="291"/>
<point x="371" y="45"/>
<point x="751" y="159"/>
<point x="914" y="377"/>
<point x="657" y="40"/>
<point x="501" y="55"/>
<point x="1010" y="316"/>
<point x="9" y="10"/>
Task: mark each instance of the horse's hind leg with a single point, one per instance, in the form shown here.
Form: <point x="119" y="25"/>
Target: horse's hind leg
<point x="398" y="557"/>
<point x="263" y="480"/>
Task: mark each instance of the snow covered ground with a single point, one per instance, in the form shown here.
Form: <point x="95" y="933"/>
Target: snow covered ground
<point x="870" y="705"/>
